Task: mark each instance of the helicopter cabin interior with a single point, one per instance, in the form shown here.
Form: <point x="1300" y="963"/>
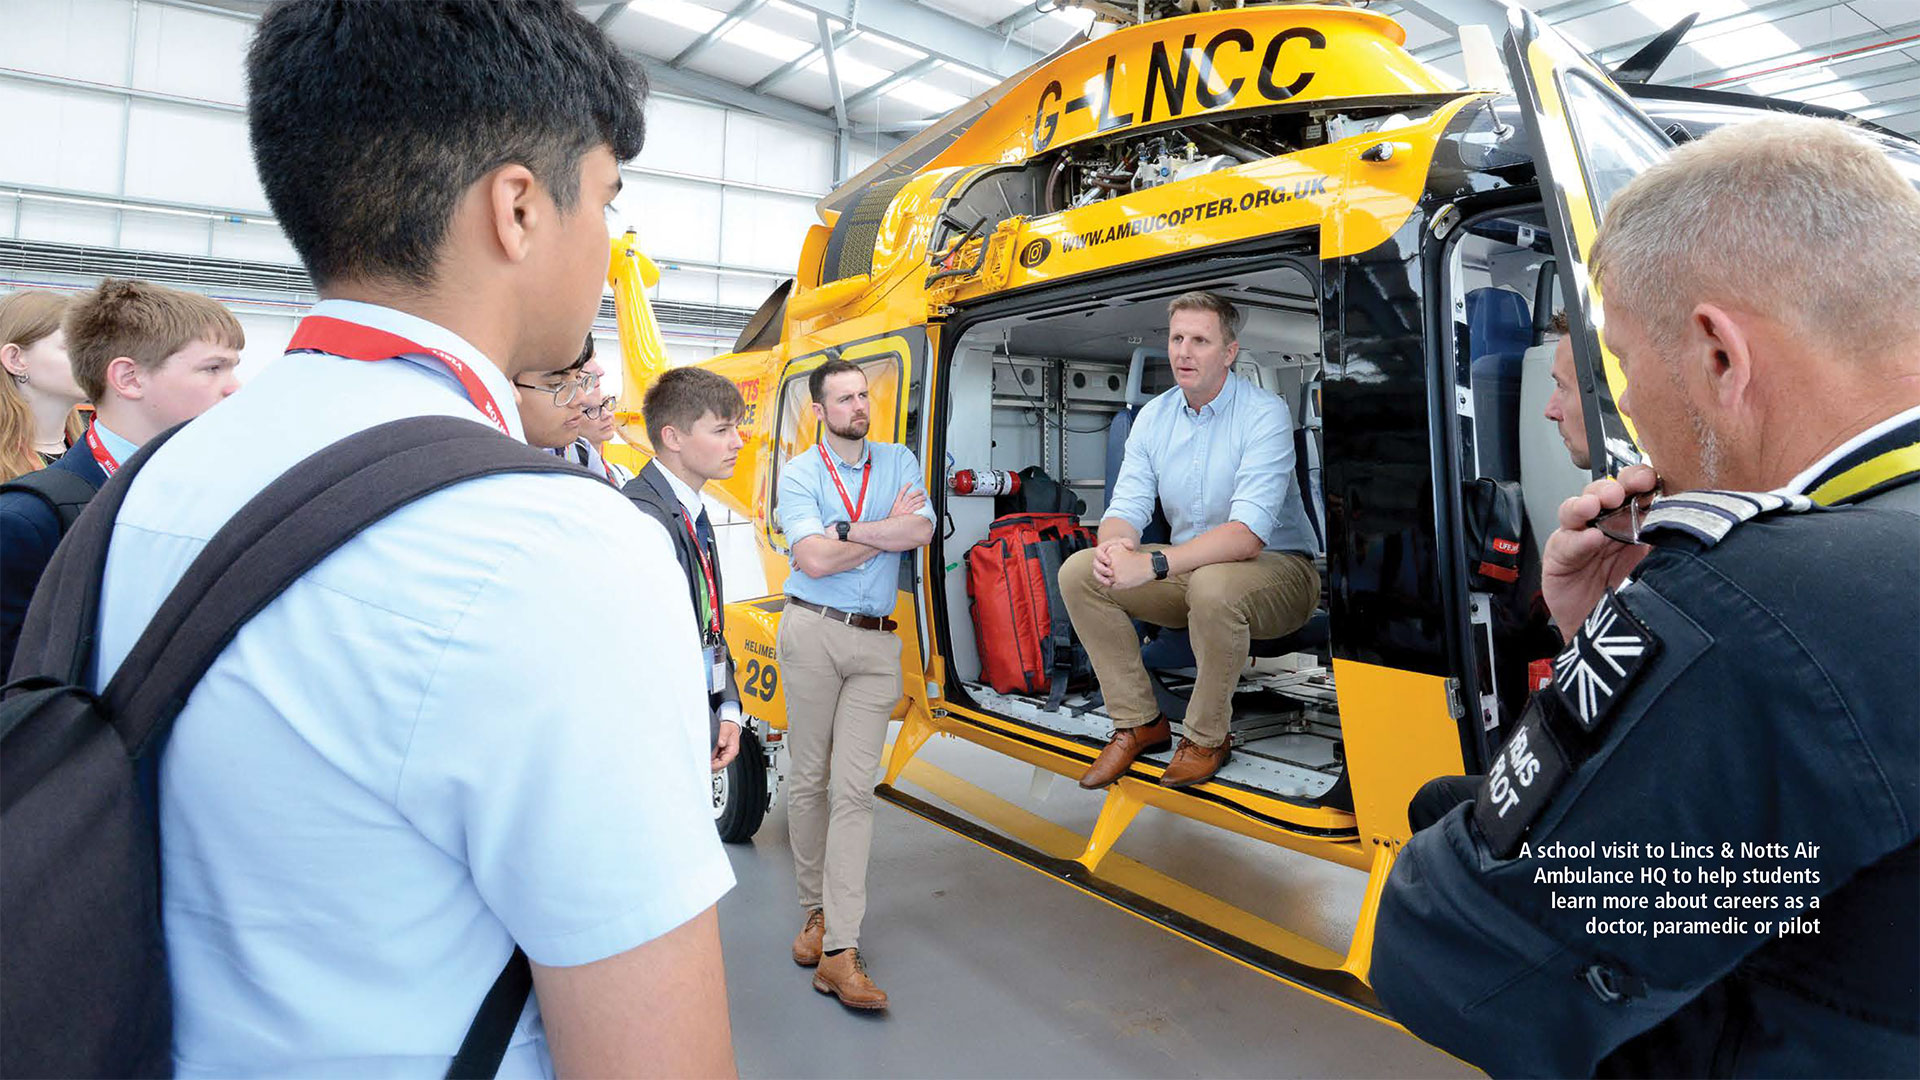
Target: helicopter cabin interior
<point x="1058" y="387"/>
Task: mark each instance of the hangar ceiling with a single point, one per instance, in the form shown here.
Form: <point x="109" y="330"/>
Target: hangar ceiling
<point x="877" y="70"/>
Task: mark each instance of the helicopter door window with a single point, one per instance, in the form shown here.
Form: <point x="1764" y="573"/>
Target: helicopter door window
<point x="1615" y="144"/>
<point x="1503" y="368"/>
<point x="796" y="430"/>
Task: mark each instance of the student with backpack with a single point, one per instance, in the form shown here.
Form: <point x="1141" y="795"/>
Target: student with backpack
<point x="148" y="357"/>
<point x="390" y="806"/>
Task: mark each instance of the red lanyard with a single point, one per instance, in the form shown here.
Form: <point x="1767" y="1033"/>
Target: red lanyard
<point x="338" y="337"/>
<point x="101" y="454"/>
<point x="706" y="570"/>
<point x="866" y="474"/>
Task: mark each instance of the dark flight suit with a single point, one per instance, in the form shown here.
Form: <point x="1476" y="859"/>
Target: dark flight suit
<point x="1758" y="686"/>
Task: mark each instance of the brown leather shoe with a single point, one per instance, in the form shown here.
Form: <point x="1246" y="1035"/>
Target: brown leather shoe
<point x="806" y="947"/>
<point x="845" y="977"/>
<point x="1193" y="763"/>
<point x="1126" y="745"/>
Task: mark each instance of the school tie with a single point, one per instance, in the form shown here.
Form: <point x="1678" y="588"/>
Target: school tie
<point x="705" y="529"/>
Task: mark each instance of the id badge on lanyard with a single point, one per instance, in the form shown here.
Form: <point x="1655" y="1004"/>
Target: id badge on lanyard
<point x="713" y="645"/>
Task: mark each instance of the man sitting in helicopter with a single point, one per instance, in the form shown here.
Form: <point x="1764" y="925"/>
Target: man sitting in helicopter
<point x="1217" y="453"/>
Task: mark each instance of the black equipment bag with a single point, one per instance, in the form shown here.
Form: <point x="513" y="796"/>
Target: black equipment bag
<point x="65" y="493"/>
<point x="1494" y="520"/>
<point x="1039" y="494"/>
<point x="85" y="991"/>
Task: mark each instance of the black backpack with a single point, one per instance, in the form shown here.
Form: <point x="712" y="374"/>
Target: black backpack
<point x="86" y="990"/>
<point x="65" y="493"/>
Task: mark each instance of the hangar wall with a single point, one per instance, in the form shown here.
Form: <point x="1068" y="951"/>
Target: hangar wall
<point x="123" y="149"/>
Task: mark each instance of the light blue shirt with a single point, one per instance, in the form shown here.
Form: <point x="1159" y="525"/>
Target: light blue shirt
<point x="1230" y="460"/>
<point x="121" y="449"/>
<point x="810" y="503"/>
<point x="398" y="768"/>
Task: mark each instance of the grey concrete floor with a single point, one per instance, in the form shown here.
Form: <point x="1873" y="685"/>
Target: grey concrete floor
<point x="996" y="970"/>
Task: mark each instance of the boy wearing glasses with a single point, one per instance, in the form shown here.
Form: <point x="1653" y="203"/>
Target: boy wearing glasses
<point x="552" y="404"/>
<point x="597" y="426"/>
<point x="693" y="422"/>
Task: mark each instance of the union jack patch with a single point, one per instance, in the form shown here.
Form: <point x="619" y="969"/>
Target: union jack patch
<point x="1602" y="661"/>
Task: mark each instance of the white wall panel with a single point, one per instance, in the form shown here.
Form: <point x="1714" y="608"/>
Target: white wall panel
<point x="764" y="230"/>
<point x="254" y="243"/>
<point x="267" y="337"/>
<point x="66" y="224"/>
<point x="762" y="151"/>
<point x="190" y="155"/>
<point x="683" y="137"/>
<point x="72" y="140"/>
<point x="744" y="292"/>
<point x="675" y="218"/>
<point x="191" y="54"/>
<point x="686" y="287"/>
<point x="59" y="138"/>
<point x="153" y="232"/>
<point x="81" y="39"/>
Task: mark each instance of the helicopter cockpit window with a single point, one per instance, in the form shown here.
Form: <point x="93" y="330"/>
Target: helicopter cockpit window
<point x="1615" y="143"/>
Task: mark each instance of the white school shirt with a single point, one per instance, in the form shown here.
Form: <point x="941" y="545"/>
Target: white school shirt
<point x="397" y="770"/>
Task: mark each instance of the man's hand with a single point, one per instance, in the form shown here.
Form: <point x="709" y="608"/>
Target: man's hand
<point x="908" y="501"/>
<point x="727" y="746"/>
<point x="1126" y="569"/>
<point x="1581" y="563"/>
<point x="1104" y="554"/>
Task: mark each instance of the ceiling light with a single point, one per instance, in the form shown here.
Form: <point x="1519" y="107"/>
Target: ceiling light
<point x="681" y="13"/>
<point x="765" y="42"/>
<point x="853" y="73"/>
<point x="927" y="97"/>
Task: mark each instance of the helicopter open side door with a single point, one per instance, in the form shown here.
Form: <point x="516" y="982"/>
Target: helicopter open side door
<point x="1588" y="141"/>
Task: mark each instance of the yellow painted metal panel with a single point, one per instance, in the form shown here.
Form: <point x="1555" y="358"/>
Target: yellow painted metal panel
<point x="1400" y="732"/>
<point x="1197" y="66"/>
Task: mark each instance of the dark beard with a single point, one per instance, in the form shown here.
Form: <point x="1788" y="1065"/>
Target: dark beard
<point x="856" y="431"/>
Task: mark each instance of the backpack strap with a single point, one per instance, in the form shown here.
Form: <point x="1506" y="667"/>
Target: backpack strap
<point x="57" y="636"/>
<point x="486" y="1042"/>
<point x="1060" y="625"/>
<point x="65" y="493"/>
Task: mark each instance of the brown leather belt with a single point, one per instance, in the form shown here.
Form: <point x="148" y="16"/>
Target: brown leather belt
<point x="864" y="622"/>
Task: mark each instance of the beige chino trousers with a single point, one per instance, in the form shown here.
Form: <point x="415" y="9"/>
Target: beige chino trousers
<point x="1223" y="606"/>
<point x="841" y="683"/>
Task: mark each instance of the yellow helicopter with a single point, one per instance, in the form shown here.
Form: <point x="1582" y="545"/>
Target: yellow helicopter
<point x="1398" y="246"/>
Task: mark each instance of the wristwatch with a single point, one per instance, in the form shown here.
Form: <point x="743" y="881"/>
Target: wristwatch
<point x="1159" y="560"/>
<point x="842" y="529"/>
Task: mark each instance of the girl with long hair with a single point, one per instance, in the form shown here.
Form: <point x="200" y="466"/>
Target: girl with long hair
<point x="37" y="390"/>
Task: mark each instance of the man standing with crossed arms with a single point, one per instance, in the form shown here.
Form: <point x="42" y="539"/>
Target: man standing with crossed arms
<point x="841" y="662"/>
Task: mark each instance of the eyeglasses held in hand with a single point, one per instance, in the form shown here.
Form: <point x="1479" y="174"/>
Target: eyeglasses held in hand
<point x="1623" y="522"/>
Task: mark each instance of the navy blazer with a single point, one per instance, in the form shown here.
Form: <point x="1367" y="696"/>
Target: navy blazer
<point x="29" y="531"/>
